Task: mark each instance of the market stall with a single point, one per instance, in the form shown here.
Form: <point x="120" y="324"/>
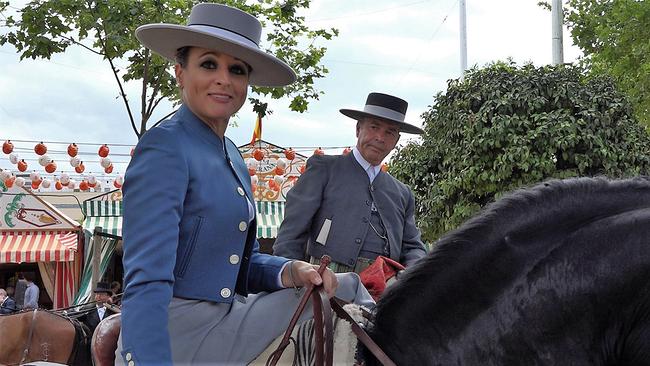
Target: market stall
<point x="36" y="236"/>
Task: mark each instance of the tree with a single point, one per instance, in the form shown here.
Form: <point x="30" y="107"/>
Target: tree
<point x="107" y="28"/>
<point x="505" y="127"/>
<point x="615" y="39"/>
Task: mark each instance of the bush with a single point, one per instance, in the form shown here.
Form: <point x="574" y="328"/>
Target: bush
<point x="504" y="127"/>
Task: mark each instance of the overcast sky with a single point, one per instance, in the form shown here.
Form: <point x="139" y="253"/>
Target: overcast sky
<point x="407" y="48"/>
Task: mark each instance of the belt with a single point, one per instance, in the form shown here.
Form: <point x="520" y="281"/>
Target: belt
<point x="360" y="265"/>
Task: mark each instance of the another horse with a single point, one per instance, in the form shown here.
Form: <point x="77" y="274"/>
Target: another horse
<point x="558" y="274"/>
<point x="38" y="335"/>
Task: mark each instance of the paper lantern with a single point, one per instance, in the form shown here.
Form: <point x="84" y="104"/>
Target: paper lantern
<point x="7" y="147"/>
<point x="108" y="169"/>
<point x="384" y="167"/>
<point x="72" y="184"/>
<point x="43" y="160"/>
<point x="103" y="151"/>
<point x="4" y="175"/>
<point x="281" y="163"/>
<point x="46" y="183"/>
<point x="346" y="151"/>
<point x="65" y="179"/>
<point x="10" y="182"/>
<point x="58" y="185"/>
<point x="258" y="154"/>
<point x="98" y="186"/>
<point x="40" y="148"/>
<point x="290" y="154"/>
<point x="34" y="175"/>
<point x="80" y="168"/>
<point x="279" y="171"/>
<point x="278" y="179"/>
<point x="319" y="151"/>
<point x="22" y="165"/>
<point x="75" y="161"/>
<point x="14" y="158"/>
<point x="50" y="167"/>
<point x="83" y="185"/>
<point x="105" y="162"/>
<point x="20" y="181"/>
<point x="36" y="184"/>
<point x="73" y="150"/>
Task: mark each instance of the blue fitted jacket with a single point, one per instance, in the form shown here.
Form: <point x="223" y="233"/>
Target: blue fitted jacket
<point x="186" y="232"/>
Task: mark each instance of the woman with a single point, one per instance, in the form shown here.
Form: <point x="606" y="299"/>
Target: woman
<point x="190" y="253"/>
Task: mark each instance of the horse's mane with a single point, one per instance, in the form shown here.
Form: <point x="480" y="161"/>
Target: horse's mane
<point x="554" y="203"/>
<point x="488" y="249"/>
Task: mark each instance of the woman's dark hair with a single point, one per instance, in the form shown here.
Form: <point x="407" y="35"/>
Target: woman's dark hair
<point x="181" y="55"/>
<point x="183" y="52"/>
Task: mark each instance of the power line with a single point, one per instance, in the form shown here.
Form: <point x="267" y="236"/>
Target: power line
<point x="428" y="41"/>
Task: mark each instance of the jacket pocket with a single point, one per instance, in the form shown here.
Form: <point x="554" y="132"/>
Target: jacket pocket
<point x="186" y="258"/>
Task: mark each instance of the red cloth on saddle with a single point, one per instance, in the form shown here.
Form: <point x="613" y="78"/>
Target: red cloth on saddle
<point x="377" y="274"/>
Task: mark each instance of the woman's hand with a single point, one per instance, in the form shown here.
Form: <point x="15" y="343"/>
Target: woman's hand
<point x="304" y="273"/>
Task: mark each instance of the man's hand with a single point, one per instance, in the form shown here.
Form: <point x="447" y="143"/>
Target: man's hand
<point x="304" y="273"/>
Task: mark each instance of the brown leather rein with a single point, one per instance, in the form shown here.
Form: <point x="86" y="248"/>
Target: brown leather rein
<point x="323" y="328"/>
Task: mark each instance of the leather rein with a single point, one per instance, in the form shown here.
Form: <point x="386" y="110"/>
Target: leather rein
<point x="323" y="328"/>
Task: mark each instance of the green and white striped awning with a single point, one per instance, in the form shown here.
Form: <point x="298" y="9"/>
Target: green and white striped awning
<point x="105" y="214"/>
<point x="269" y="218"/>
<point x="108" y="216"/>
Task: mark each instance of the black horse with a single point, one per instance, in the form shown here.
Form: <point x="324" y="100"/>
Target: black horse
<point x="557" y="274"/>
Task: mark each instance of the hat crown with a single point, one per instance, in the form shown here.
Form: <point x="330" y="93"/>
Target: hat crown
<point x="227" y="18"/>
<point x="388" y="101"/>
<point x="103" y="287"/>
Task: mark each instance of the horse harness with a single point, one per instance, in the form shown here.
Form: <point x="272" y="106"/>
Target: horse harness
<point x="29" y="337"/>
<point x="322" y="308"/>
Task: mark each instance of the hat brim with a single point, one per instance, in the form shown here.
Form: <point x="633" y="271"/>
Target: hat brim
<point x="403" y="126"/>
<point x="166" y="39"/>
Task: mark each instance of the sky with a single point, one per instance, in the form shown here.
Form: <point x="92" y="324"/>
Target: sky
<point x="407" y="48"/>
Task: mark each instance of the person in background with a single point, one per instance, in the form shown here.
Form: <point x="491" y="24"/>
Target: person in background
<point x="196" y="288"/>
<point x="21" y="286"/>
<point x="116" y="295"/>
<point x="7" y="304"/>
<point x="31" y="292"/>
<point x="345" y="206"/>
<point x="100" y="310"/>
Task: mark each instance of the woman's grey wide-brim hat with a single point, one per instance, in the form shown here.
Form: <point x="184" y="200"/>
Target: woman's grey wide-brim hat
<point x="385" y="107"/>
<point x="223" y="28"/>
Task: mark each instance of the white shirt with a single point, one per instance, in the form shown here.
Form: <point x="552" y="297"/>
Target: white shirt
<point x="101" y="311"/>
<point x="371" y="170"/>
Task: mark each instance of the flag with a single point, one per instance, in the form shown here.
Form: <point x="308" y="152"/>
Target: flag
<point x="257" y="132"/>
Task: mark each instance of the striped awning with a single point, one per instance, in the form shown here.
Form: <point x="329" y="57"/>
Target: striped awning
<point x="37" y="246"/>
<point x="269" y="218"/>
<point x="109" y="224"/>
<point x="105" y="214"/>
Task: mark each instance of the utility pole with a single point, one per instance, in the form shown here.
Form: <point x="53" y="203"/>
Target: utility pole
<point x="463" y="38"/>
<point x="557" y="15"/>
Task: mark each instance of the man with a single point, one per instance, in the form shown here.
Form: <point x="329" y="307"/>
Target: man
<point x="32" y="292"/>
<point x="346" y="207"/>
<point x="102" y="300"/>
<point x="7" y="304"/>
<point x="21" y="286"/>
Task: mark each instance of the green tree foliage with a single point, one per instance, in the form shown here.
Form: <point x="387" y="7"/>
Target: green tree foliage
<point x="614" y="35"/>
<point x="44" y="28"/>
<point x="505" y="127"/>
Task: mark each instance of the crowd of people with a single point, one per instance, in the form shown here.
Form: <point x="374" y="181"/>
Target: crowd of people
<point x="23" y="295"/>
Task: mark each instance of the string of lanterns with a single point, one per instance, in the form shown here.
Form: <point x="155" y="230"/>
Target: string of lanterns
<point x="50" y="166"/>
